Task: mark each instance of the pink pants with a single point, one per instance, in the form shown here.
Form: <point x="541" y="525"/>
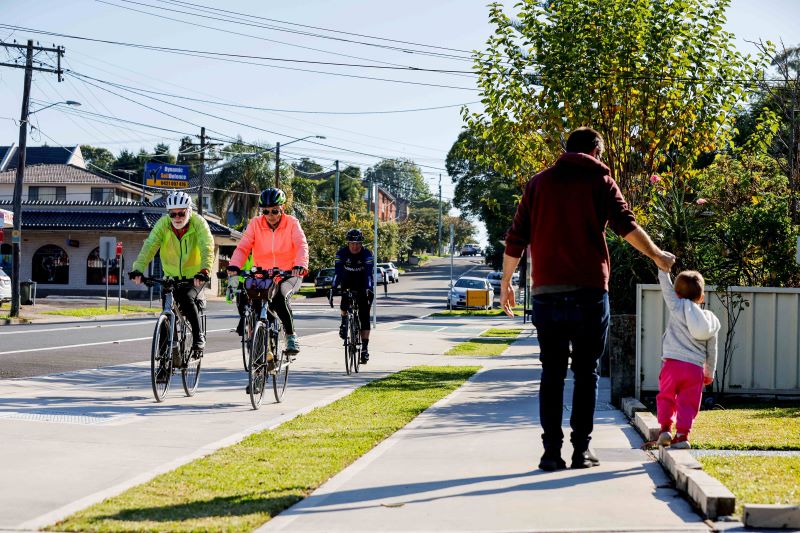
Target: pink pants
<point x="680" y="390"/>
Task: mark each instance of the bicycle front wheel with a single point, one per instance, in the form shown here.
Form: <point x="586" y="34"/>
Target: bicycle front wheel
<point x="348" y="360"/>
<point x="355" y="341"/>
<point x="257" y="373"/>
<point x="280" y="375"/>
<point x="161" y="359"/>
<point x="190" y="373"/>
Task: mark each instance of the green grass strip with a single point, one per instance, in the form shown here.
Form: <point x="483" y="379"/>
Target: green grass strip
<point x="510" y="333"/>
<point x="757" y="479"/>
<point x="97" y="311"/>
<point x="481" y="346"/>
<point x="748" y="427"/>
<point x="476" y="312"/>
<point x="241" y="487"/>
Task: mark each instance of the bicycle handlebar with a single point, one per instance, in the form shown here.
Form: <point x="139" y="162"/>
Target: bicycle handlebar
<point x="165" y="282"/>
<point x="257" y="273"/>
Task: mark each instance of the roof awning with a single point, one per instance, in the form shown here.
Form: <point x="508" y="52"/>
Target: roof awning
<point x="7" y="217"/>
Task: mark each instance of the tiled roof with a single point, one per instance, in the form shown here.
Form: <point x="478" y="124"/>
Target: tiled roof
<point x="57" y="174"/>
<point x="38" y="155"/>
<point x="100" y="220"/>
<point x="83" y="203"/>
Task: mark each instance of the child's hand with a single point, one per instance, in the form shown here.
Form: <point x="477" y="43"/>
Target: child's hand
<point x="708" y="380"/>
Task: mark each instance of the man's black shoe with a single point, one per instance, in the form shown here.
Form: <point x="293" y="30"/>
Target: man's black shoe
<point x="551" y="462"/>
<point x="364" y="357"/>
<point x="199" y="342"/>
<point x="343" y="331"/>
<point x="585" y="459"/>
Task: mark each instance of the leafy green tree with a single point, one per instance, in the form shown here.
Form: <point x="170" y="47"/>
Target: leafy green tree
<point x="161" y="154"/>
<point x="464" y="231"/>
<point x="658" y="79"/>
<point x="238" y="185"/>
<point x="307" y="167"/>
<point x="401" y="177"/>
<point x="96" y="157"/>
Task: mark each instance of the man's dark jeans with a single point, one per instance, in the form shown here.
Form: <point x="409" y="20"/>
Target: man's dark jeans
<point x="570" y="325"/>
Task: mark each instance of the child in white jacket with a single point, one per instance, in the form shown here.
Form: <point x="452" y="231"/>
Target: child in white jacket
<point x="689" y="355"/>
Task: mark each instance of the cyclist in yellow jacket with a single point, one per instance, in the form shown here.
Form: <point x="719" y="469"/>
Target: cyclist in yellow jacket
<point x="186" y="246"/>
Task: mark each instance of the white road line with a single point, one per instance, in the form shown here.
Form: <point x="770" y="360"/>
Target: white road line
<point x="49" y="348"/>
<point x="83" y="326"/>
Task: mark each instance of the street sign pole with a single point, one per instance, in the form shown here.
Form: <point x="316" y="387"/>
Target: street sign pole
<point x="375" y="259"/>
<point x="107" y="262"/>
<point x="452" y="253"/>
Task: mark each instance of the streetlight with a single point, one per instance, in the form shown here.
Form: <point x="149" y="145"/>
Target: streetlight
<point x="278" y="156"/>
<point x="16" y="232"/>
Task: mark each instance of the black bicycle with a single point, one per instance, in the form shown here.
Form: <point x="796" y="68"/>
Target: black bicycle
<point x="352" y="342"/>
<point x="172" y="342"/>
<point x="236" y="292"/>
<point x="267" y="342"/>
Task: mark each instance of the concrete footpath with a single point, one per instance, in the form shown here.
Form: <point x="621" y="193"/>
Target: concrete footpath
<point x="466" y="464"/>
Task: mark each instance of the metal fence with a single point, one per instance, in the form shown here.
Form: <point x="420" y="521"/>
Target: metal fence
<point x="766" y="341"/>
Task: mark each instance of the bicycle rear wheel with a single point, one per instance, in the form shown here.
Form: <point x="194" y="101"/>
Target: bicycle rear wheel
<point x="161" y="359"/>
<point x="280" y="375"/>
<point x="257" y="373"/>
<point x="347" y="358"/>
<point x="190" y="373"/>
<point x="247" y="337"/>
<point x="355" y="333"/>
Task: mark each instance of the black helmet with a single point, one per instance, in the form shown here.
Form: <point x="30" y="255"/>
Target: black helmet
<point x="271" y="196"/>
<point x="355" y="235"/>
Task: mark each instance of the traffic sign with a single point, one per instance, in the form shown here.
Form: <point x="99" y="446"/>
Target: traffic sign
<point x="163" y="175"/>
<point x="107" y="247"/>
<point x="119" y="248"/>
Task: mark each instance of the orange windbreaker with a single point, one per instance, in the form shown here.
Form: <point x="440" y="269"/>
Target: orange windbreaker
<point x="284" y="247"/>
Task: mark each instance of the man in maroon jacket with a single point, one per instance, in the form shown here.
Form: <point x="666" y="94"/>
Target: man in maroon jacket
<point x="563" y="216"/>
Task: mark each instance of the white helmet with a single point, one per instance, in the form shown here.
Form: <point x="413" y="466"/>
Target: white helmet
<point x="179" y="200"/>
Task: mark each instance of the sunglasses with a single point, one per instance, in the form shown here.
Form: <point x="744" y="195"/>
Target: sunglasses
<point x="273" y="211"/>
<point x="173" y="214"/>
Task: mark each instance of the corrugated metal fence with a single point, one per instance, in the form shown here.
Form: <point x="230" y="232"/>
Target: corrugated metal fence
<point x="766" y="355"/>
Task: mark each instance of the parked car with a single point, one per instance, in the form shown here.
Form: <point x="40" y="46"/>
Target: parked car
<point x="391" y="271"/>
<point x="5" y="287"/>
<point x="457" y="297"/>
<point x="324" y="281"/>
<point x="382" y="273"/>
<point x="471" y="249"/>
<point x="495" y="279"/>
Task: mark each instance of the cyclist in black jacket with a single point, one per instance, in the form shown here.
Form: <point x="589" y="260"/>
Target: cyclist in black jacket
<point x="354" y="268"/>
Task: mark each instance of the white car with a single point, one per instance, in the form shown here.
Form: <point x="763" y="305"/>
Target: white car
<point x="391" y="271"/>
<point x="5" y="287"/>
<point x="457" y="297"/>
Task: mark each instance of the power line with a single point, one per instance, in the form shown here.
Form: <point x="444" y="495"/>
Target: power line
<point x="249" y="22"/>
<point x="248" y="15"/>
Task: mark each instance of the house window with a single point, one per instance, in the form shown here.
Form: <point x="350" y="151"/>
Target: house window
<point x="96" y="270"/>
<point x="50" y="264"/>
<point x="47" y="194"/>
<point x="103" y="194"/>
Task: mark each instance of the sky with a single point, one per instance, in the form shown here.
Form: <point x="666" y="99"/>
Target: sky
<point x="442" y="32"/>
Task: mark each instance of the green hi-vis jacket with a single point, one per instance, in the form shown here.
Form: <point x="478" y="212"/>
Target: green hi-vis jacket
<point x="179" y="258"/>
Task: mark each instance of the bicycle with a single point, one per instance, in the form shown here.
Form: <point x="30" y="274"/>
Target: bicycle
<point x="266" y="354"/>
<point x="235" y="290"/>
<point x="352" y="342"/>
<point x="172" y="342"/>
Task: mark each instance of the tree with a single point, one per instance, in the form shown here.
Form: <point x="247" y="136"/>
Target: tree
<point x="97" y="158"/>
<point x="463" y="230"/>
<point x="128" y="161"/>
<point x="401" y="177"/>
<point x="161" y="154"/>
<point x="307" y="167"/>
<point x="658" y="79"/>
<point x="238" y="185"/>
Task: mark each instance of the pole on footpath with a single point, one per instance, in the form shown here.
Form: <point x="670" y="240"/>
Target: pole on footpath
<point x="452" y="253"/>
<point x="278" y="165"/>
<point x="375" y="257"/>
<point x="108" y="260"/>
<point x="202" y="169"/>
<point x="120" y="268"/>
<point x="439" y="238"/>
<point x="336" y="195"/>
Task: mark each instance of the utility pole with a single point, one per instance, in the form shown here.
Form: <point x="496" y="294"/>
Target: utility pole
<point x="202" y="169"/>
<point x="278" y="165"/>
<point x="336" y="196"/>
<point x="375" y="257"/>
<point x="439" y="239"/>
<point x="16" y="232"/>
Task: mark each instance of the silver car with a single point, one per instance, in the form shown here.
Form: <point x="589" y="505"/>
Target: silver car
<point x="495" y="279"/>
<point x="457" y="297"/>
<point x="5" y="287"/>
<point x="391" y="271"/>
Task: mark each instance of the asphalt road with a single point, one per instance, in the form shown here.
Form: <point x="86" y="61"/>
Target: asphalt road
<point x="41" y="349"/>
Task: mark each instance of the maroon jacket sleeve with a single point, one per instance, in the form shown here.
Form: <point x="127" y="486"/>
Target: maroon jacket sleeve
<point x="620" y="218"/>
<point x="519" y="235"/>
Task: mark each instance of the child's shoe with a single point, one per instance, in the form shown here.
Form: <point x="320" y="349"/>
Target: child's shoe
<point x="664" y="439"/>
<point x="680" y="442"/>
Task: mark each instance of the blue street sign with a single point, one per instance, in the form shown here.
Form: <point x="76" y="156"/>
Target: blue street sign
<point x="163" y="175"/>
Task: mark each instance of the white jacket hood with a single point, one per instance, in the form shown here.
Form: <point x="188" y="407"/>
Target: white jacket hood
<point x="702" y="324"/>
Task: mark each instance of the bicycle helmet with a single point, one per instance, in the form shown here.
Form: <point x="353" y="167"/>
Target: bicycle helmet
<point x="271" y="197"/>
<point x="179" y="200"/>
<point x="354" y="235"/>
